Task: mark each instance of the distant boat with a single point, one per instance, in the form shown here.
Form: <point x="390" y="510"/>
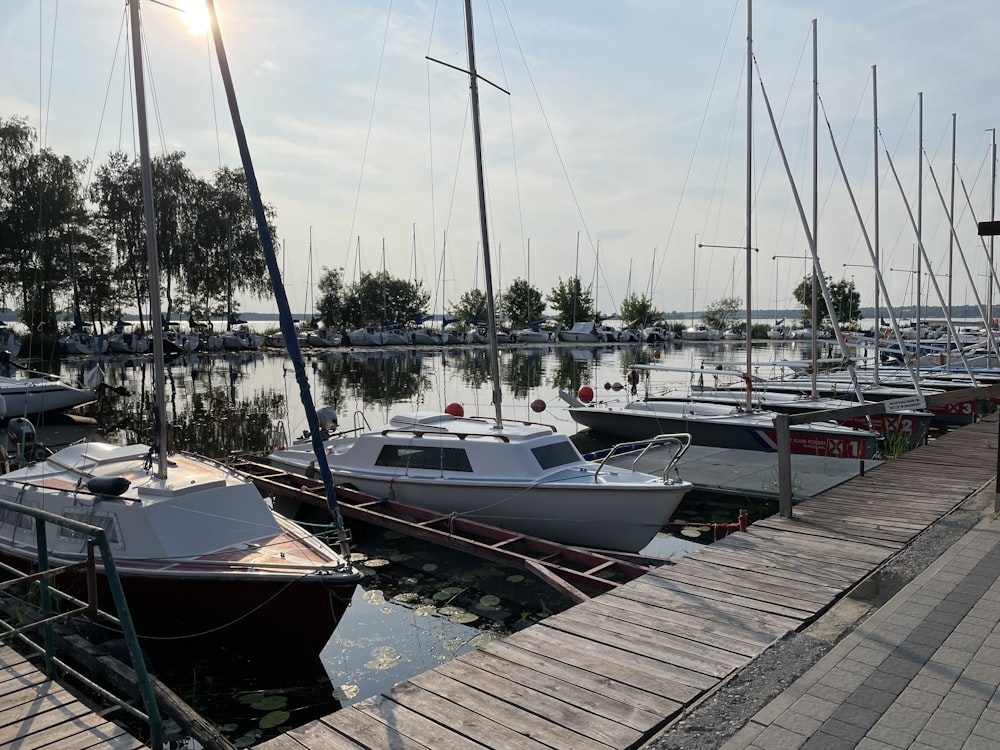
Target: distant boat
<point x="36" y="395"/>
<point x="582" y="333"/>
<point x="717" y="425"/>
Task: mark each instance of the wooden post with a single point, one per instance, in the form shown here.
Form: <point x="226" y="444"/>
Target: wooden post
<point x="784" y="465"/>
<point x="991" y="229"/>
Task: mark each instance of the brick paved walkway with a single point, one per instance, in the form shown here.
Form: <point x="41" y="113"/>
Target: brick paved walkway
<point x="921" y="673"/>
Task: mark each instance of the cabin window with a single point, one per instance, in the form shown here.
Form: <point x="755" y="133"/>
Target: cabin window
<point x="17" y="520"/>
<point x="555" y="454"/>
<point x="105" y="522"/>
<point x="424" y="457"/>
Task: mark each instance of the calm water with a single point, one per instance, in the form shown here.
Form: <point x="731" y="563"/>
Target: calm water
<point x="419" y="605"/>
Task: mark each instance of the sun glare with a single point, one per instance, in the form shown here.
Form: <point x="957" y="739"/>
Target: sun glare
<point x="195" y="17"/>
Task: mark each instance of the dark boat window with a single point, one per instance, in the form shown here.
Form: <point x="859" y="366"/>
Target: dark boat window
<point x="555" y="454"/>
<point x="424" y="457"/>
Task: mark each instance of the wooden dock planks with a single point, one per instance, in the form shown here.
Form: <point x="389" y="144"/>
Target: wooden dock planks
<point x="613" y="671"/>
<point x="36" y="712"/>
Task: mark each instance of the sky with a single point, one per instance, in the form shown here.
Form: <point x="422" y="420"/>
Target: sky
<point x="614" y="135"/>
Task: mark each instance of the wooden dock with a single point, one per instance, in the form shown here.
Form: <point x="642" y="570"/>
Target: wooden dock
<point x="613" y="671"/>
<point x="36" y="712"/>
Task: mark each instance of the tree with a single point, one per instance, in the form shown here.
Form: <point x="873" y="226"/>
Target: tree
<point x="844" y="295"/>
<point x="470" y="308"/>
<point x="384" y="300"/>
<point x="330" y="305"/>
<point x="522" y="304"/>
<point x="571" y="302"/>
<point x="638" y="311"/>
<point x="721" y="314"/>
<point x="41" y="212"/>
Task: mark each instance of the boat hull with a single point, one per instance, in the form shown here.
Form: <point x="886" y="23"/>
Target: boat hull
<point x="628" y="424"/>
<point x="236" y="608"/>
<point x="523" y="476"/>
<point x="197" y="550"/>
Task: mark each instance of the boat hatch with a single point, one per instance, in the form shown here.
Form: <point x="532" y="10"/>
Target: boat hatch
<point x="113" y="486"/>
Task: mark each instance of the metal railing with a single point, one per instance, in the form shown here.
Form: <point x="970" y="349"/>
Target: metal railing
<point x="94" y="536"/>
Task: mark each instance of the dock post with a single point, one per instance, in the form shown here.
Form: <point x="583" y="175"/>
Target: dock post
<point x="783" y="435"/>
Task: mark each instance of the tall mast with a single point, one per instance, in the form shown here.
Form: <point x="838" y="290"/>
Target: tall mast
<point x="749" y="205"/>
<point x="815" y="216"/>
<point x="920" y="208"/>
<point x="875" y="228"/>
<point x="159" y="380"/>
<point x="951" y="242"/>
<point x="491" y="323"/>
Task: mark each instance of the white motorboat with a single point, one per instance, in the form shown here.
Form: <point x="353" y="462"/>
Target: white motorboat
<point x="521" y="476"/>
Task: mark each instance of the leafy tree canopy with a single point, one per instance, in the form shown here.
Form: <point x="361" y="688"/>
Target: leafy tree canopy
<point x="571" y="303"/>
<point x="470" y="308"/>
<point x="721" y="314"/>
<point x="845" y="296"/>
<point x="522" y="304"/>
<point x="638" y="310"/>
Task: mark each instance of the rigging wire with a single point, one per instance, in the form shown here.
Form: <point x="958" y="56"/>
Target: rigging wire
<point x="694" y="151"/>
<point x="368" y="133"/>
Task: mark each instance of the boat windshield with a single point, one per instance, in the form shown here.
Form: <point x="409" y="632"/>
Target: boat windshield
<point x="556" y="454"/>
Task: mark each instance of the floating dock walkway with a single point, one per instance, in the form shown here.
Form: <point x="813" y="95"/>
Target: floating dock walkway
<point x="613" y="671"/>
<point x="36" y="712"/>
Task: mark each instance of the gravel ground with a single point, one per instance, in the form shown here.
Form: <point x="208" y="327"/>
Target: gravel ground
<point x="722" y="713"/>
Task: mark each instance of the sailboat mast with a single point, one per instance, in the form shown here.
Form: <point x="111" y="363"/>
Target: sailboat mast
<point x="814" y="286"/>
<point x="875" y="226"/>
<point x="159" y="381"/>
<point x="491" y="322"/>
<point x="749" y="205"/>
<point x="920" y="210"/>
<point x="280" y="295"/>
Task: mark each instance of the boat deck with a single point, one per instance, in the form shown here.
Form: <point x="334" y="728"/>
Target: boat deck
<point x="36" y="711"/>
<point x="613" y="671"/>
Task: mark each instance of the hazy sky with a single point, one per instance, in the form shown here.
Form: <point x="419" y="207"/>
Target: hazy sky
<point x="620" y="146"/>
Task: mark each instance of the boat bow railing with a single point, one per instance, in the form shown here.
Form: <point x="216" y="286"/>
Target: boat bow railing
<point x="680" y="440"/>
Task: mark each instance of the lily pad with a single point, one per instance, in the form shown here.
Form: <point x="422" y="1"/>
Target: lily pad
<point x="429" y="567"/>
<point x="690" y="531"/>
<point x="375" y="596"/>
<point x="517" y="578"/>
<point x="268" y="702"/>
<point x="376" y="562"/>
<point x="463" y="618"/>
<point x="425" y="610"/>
<point x="451" y="611"/>
<point x="489" y="600"/>
<point x="274" y="719"/>
<point x="345" y="692"/>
